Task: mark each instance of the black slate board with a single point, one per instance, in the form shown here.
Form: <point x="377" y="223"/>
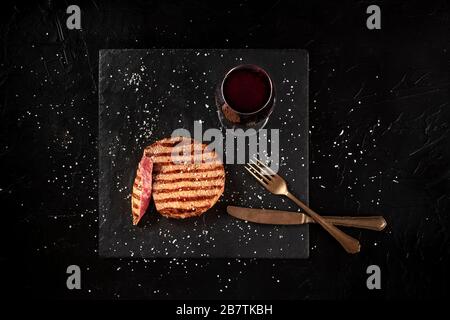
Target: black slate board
<point x="143" y="96"/>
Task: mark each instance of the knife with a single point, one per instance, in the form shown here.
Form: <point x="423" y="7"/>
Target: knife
<point x="266" y="216"/>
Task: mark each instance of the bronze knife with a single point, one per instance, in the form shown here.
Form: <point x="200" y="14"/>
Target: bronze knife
<point x="266" y="216"/>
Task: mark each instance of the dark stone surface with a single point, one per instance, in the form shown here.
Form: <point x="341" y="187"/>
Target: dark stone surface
<point x="379" y="121"/>
<point x="144" y="95"/>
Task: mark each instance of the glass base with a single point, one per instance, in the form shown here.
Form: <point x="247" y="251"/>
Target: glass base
<point x="241" y="129"/>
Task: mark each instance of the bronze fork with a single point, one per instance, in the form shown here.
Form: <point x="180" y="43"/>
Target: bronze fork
<point x="277" y="185"/>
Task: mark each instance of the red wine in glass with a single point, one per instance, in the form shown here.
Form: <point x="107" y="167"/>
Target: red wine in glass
<point x="245" y="97"/>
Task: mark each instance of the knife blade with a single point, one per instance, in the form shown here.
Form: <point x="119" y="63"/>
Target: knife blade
<point x="279" y="217"/>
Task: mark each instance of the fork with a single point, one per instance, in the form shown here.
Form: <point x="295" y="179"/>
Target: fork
<point x="277" y="185"/>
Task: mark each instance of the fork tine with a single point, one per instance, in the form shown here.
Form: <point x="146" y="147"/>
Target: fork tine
<point x="267" y="168"/>
<point x="258" y="173"/>
<point x="257" y="178"/>
<point x="262" y="169"/>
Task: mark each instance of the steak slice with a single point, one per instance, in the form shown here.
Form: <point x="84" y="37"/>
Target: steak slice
<point x="142" y="189"/>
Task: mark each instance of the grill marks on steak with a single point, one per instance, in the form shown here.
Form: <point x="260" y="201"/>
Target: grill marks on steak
<point x="219" y="177"/>
<point x="183" y="169"/>
<point x="181" y="214"/>
<point x="215" y="188"/>
<point x="180" y="151"/>
<point x="188" y="178"/>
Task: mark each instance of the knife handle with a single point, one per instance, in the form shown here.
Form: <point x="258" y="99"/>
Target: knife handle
<point x="376" y="223"/>
<point x="350" y="244"/>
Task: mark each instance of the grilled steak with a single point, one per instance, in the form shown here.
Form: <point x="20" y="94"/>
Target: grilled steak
<point x="142" y="188"/>
<point x="188" y="178"/>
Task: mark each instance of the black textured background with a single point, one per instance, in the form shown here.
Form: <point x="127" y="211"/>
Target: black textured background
<point x="379" y="111"/>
